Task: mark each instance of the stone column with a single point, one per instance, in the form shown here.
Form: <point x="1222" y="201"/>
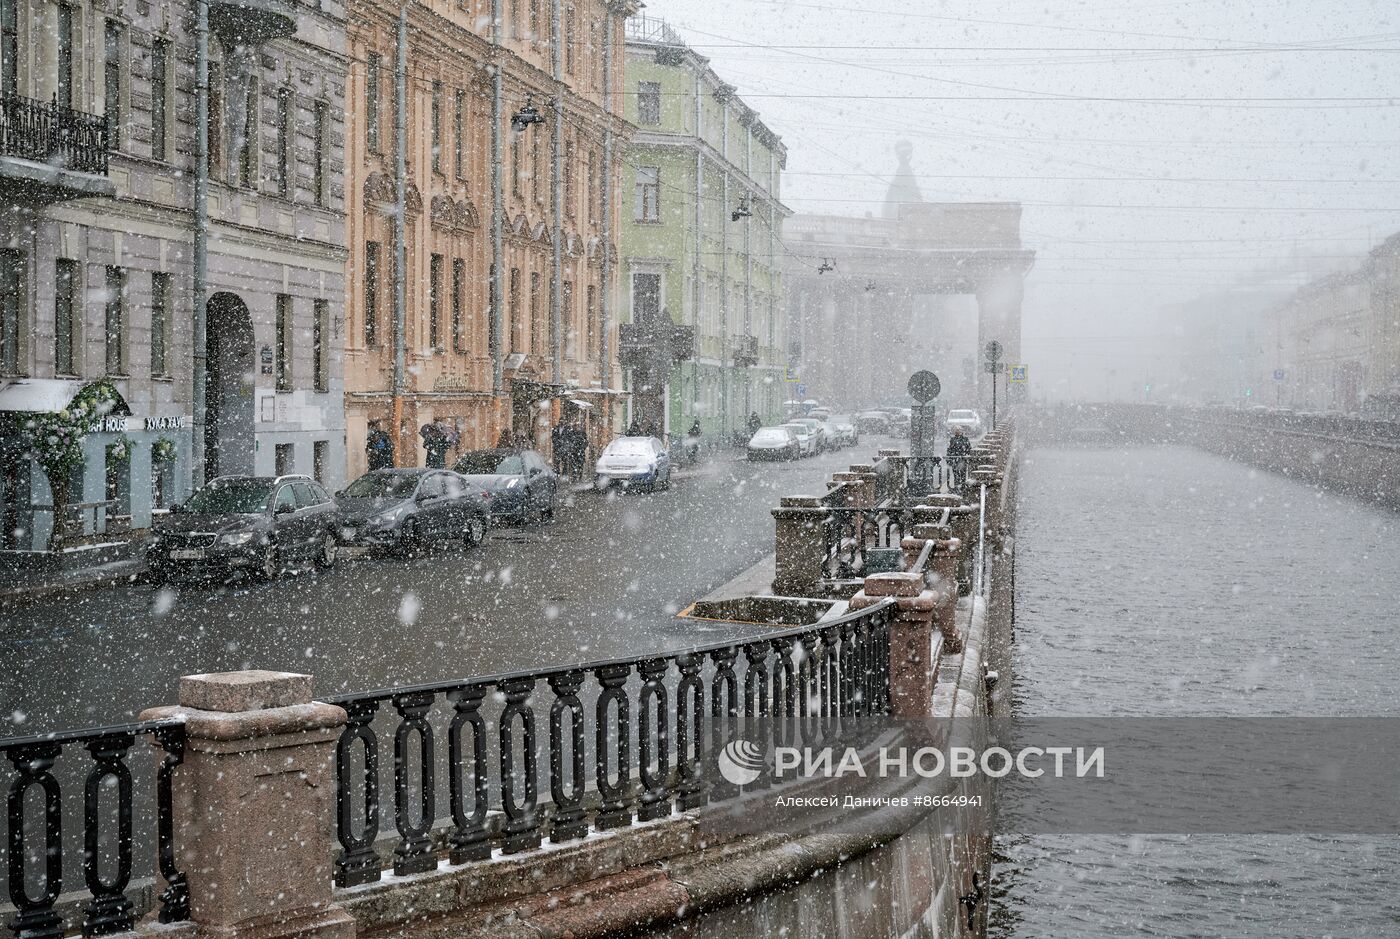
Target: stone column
<point x="254" y="804"/>
<point x="800" y="548"/>
<point x="914" y="646"/>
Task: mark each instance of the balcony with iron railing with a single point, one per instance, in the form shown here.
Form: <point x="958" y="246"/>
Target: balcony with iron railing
<point x="50" y="152"/>
<point x="643" y="28"/>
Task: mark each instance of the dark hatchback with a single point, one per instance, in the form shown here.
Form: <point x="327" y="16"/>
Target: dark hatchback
<point x="254" y="524"/>
<point x="518" y="484"/>
<point x="405" y="509"/>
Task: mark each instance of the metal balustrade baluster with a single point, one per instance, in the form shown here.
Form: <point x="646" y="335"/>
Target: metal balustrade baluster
<point x="35" y="917"/>
<point x="521" y="830"/>
<point x="693" y="789"/>
<point x="831" y="684"/>
<point x="785" y="693"/>
<point x="414" y="853"/>
<point x="809" y="699"/>
<point x="724" y="718"/>
<point x="469" y="839"/>
<point x="109" y="910"/>
<point x="850" y="678"/>
<point x="882" y="655"/>
<point x="175" y="898"/>
<point x="615" y="810"/>
<point x="570" y="823"/>
<point x="758" y="725"/>
<point x="653" y="741"/>
<point x="358" y="862"/>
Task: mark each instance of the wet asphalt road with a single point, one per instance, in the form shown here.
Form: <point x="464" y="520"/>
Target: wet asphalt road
<point x="605" y="579"/>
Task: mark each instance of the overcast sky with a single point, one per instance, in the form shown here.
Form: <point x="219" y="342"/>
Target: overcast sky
<point x="1130" y="204"/>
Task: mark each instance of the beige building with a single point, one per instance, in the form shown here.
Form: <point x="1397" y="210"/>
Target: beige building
<point x="545" y="351"/>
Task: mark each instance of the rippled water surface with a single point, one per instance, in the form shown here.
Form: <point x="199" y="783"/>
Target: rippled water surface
<point x="1165" y="581"/>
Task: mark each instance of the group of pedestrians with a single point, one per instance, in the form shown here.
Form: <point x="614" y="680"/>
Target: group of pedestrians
<point x="570" y="444"/>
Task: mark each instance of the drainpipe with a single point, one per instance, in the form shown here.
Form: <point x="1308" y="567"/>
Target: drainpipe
<point x="724" y="271"/>
<point x="400" y="216"/>
<point x="698" y="285"/>
<point x="498" y="206"/>
<point x="752" y="203"/>
<point x="199" y="390"/>
<point x="605" y="276"/>
<point x="556" y="285"/>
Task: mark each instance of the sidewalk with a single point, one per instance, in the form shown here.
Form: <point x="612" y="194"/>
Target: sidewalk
<point x="31" y="585"/>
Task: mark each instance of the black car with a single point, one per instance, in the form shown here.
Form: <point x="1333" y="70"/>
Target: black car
<point x="256" y="524"/>
<point x="518" y="483"/>
<point x="405" y="509"/>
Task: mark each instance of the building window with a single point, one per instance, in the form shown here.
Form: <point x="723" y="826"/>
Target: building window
<point x="247" y="148"/>
<point x="372" y="102"/>
<point x="160" y="97"/>
<point x="570" y="36"/>
<point x="117" y="488"/>
<point x="371" y="293"/>
<point x="648" y="194"/>
<point x="320" y="457"/>
<point x="537" y="331"/>
<point x="569" y="192"/>
<point x="319" y="127"/>
<point x="214" y="135"/>
<point x="459" y="278"/>
<point x="646" y="297"/>
<point x="284" y="342"/>
<point x="515" y="163"/>
<point x="436" y="128"/>
<point x="283" y="460"/>
<point x="566" y="317"/>
<point x="160" y="323"/>
<point x="9" y="47"/>
<point x="591" y="323"/>
<point x="65" y="309"/>
<point x="321" y="345"/>
<point x="434" y="300"/>
<point x="592" y="185"/>
<point x="65" y="56"/>
<point x="112" y="81"/>
<point x="517" y="325"/>
<point x="459" y="106"/>
<point x="649" y="103"/>
<point x="285" y="103"/>
<point x="11" y="309"/>
<point x="115" y="321"/>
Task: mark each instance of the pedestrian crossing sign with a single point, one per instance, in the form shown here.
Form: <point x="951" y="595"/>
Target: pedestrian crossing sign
<point x="1016" y="374"/>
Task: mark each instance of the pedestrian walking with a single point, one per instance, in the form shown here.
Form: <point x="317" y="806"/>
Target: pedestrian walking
<point x="379" y="448"/>
<point x="755" y="423"/>
<point x="436" y="442"/>
<point x="959" y="449"/>
<point x="558" y="435"/>
<point x="578" y="450"/>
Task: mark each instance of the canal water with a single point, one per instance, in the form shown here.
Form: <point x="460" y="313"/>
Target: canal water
<point x="1168" y="582"/>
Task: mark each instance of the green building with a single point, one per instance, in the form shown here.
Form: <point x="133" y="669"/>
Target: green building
<point x="702" y="247"/>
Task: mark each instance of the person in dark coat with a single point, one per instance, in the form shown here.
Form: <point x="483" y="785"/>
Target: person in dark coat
<point x="755" y="424"/>
<point x="435" y="441"/>
<point x="578" y="450"/>
<point x="379" y="448"/>
<point x="959" y="449"/>
<point x="558" y="434"/>
<point x="634" y="429"/>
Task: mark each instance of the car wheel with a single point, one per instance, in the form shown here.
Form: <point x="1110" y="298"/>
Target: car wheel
<point x="547" y="510"/>
<point x="271" y="564"/>
<point x="326" y="558"/>
<point x="476" y="531"/>
<point x="666" y="482"/>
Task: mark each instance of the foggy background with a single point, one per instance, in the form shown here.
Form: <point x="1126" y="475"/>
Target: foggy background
<point x="1163" y="151"/>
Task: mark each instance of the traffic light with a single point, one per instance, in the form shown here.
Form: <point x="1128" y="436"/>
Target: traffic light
<point x="1249" y="392"/>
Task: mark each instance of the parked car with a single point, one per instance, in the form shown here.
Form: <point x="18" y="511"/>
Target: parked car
<point x="254" y="524"/>
<point x="806" y="440"/>
<point x="516" y="483"/>
<point x="826" y="439"/>
<point x="821" y="414"/>
<point x="969" y="421"/>
<point x="845" y="431"/>
<point x="635" y="460"/>
<point x="406" y="509"/>
<point x="872" y="422"/>
<point x="774" y="443"/>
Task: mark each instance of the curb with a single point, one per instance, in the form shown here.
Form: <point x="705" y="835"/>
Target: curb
<point x="79" y="582"/>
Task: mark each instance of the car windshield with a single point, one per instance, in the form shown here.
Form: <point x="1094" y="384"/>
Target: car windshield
<point x="232" y="497"/>
<point x="800" y="428"/>
<point x="629" y="446"/>
<point x="770" y="435"/>
<point x="383" y="486"/>
<point x="491" y="462"/>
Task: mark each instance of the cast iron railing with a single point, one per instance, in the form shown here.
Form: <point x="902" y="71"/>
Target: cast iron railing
<point x="853" y="531"/>
<point x="53" y="134"/>
<point x="680" y="709"/>
<point x="35" y="871"/>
